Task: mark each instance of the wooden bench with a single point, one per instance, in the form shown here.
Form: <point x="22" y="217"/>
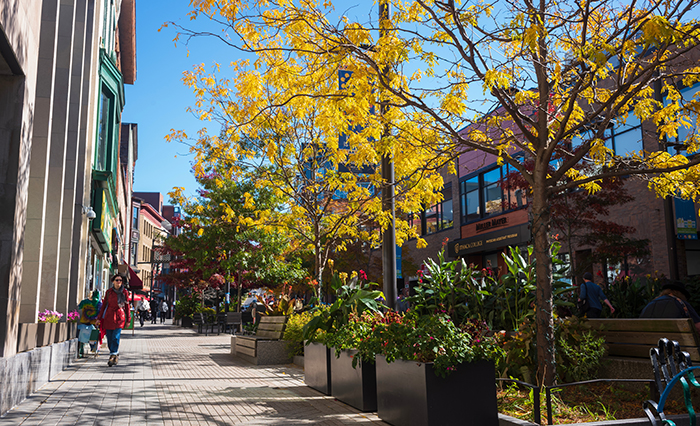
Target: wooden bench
<point x="230" y="319"/>
<point x="201" y="322"/>
<point x="633" y="338"/>
<point x="266" y="346"/>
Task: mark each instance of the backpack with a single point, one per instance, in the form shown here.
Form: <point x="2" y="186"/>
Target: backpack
<point x="164" y="307"/>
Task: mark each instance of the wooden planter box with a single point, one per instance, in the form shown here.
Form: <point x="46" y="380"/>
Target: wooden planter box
<point x="72" y="330"/>
<point x="317" y="367"/>
<point x="45" y="333"/>
<point x="354" y="386"/>
<point x="26" y="337"/>
<point x="61" y="332"/>
<point x="409" y="393"/>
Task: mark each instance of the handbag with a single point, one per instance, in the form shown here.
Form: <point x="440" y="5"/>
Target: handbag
<point x="583" y="305"/>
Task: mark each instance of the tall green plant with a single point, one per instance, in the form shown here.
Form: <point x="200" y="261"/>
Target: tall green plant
<point x="454" y="288"/>
<point x="352" y="296"/>
<point x="465" y="292"/>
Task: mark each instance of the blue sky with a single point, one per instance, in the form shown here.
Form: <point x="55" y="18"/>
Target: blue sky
<point x="158" y="100"/>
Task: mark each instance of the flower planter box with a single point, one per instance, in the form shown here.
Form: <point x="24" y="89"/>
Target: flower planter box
<point x="354" y="386"/>
<point x="317" y="367"/>
<point x="26" y="337"/>
<point x="72" y="330"/>
<point x="409" y="393"/>
<point x="45" y="333"/>
<point x="187" y="322"/>
<point x="61" y="332"/>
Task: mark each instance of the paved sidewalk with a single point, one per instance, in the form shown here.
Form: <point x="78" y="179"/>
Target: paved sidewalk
<point x="167" y="376"/>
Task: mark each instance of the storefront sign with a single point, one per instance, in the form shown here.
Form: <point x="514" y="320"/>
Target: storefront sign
<point x="686" y="219"/>
<point x="497" y="222"/>
<point x="513" y="236"/>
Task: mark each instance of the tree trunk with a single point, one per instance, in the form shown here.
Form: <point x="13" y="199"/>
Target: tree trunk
<point x="318" y="268"/>
<point x="545" y="323"/>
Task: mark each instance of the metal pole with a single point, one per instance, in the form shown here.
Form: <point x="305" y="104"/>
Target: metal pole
<point x="389" y="235"/>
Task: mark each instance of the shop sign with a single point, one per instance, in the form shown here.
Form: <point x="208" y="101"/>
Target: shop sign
<point x="513" y="236"/>
<point x="497" y="222"/>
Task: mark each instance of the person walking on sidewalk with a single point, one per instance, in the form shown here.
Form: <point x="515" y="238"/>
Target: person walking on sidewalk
<point x="163" y="311"/>
<point x="155" y="310"/>
<point x="595" y="295"/>
<point x="142" y="308"/>
<point x="114" y="314"/>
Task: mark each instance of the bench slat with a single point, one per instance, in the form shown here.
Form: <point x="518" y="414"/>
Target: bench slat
<point x="666" y="325"/>
<point x="245" y="351"/>
<point x="650" y="339"/>
<point x="276" y="319"/>
<point x="271" y="327"/>
<point x="642" y="351"/>
<point x="269" y="334"/>
<point x="247" y="343"/>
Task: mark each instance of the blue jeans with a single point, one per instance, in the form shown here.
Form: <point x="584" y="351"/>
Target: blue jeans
<point x="113" y="340"/>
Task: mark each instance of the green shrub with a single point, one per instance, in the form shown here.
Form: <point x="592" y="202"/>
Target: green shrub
<point x="579" y="351"/>
<point x="294" y="331"/>
<point x="209" y="314"/>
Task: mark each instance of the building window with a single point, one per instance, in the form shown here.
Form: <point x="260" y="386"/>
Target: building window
<point x="437" y="217"/>
<point x="623" y="138"/>
<point x="484" y="195"/>
<point x="104" y="132"/>
<point x="135" y="219"/>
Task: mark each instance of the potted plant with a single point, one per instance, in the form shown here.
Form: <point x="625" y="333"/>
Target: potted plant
<point x="426" y="365"/>
<point x="72" y="320"/>
<point x="46" y="327"/>
<point x="350" y="381"/>
<point x="185" y="307"/>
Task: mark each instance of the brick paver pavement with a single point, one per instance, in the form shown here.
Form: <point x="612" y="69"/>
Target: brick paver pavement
<point x="170" y="376"/>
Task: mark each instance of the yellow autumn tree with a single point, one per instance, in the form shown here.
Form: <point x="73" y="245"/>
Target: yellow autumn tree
<point x="528" y="82"/>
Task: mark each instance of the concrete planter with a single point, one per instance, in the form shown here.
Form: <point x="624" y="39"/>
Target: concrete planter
<point x="409" y="393"/>
<point x="45" y="333"/>
<point x="354" y="386"/>
<point x="186" y="322"/>
<point x="317" y="367"/>
<point x="61" y="332"/>
<point x="26" y="338"/>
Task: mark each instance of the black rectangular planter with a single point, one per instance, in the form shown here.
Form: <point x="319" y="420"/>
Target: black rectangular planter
<point x="410" y="394"/>
<point x="317" y="367"/>
<point x="354" y="386"/>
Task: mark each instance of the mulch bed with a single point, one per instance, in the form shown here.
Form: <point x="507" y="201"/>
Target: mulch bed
<point x="585" y="403"/>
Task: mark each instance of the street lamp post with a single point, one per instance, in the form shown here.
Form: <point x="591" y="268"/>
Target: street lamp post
<point x="389" y="235"/>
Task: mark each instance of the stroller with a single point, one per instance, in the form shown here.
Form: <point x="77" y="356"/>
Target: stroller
<point x="88" y="335"/>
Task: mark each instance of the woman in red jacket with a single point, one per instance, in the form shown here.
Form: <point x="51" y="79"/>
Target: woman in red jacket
<point x="113" y="314"/>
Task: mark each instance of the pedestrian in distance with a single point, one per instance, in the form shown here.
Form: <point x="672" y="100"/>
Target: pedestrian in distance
<point x="672" y="302"/>
<point x="593" y="294"/>
<point x="155" y="310"/>
<point x="114" y="314"/>
<point x="163" y="311"/>
<point x="142" y="307"/>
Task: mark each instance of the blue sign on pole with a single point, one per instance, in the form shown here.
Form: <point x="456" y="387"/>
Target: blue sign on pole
<point x="686" y="219"/>
<point x="398" y="261"/>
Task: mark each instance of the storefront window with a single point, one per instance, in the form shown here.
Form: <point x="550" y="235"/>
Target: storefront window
<point x="484" y="195"/>
<point x="436" y="218"/>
